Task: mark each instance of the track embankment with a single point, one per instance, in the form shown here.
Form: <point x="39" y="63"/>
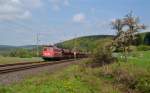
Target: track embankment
<point x="7" y="68"/>
<point x="15" y="73"/>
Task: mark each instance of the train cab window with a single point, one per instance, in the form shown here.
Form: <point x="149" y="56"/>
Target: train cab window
<point x="48" y="49"/>
<point x="45" y="49"/>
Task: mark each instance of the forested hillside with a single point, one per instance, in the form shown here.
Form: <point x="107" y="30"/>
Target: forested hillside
<point x="89" y="43"/>
<point x="86" y="43"/>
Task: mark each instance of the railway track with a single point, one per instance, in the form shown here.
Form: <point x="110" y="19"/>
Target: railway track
<point x="7" y="68"/>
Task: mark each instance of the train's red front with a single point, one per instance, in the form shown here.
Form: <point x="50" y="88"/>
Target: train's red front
<point x="51" y="52"/>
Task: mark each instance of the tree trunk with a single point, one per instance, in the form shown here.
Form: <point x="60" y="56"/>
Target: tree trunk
<point x="125" y="54"/>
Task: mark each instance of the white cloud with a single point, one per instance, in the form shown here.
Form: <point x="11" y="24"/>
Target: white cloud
<point x="32" y="3"/>
<point x="79" y="18"/>
<point x="26" y="14"/>
<point x="57" y="4"/>
<point x="66" y="2"/>
<point x="16" y="1"/>
<point x="17" y="9"/>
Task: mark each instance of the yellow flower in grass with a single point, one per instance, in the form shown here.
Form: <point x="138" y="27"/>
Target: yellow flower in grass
<point x="69" y="86"/>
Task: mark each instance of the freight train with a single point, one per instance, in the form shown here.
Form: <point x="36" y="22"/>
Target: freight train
<point x="54" y="53"/>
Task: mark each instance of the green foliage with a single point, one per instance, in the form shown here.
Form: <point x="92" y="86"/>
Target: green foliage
<point x="5" y="60"/>
<point x="143" y="38"/>
<point x="133" y="75"/>
<point x="102" y="55"/>
<point x="143" y="48"/>
<point x="23" y="53"/>
<point x="143" y="84"/>
<point x="87" y="44"/>
<point x="140" y="44"/>
<point x="147" y="38"/>
<point x="20" y="51"/>
<point x="139" y="39"/>
<point x="71" y="80"/>
<point x="130" y="49"/>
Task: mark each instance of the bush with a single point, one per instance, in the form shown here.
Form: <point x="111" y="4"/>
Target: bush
<point x="143" y="84"/>
<point x="131" y="81"/>
<point x="22" y="53"/>
<point x="143" y="48"/>
<point x="102" y="56"/>
<point x="132" y="48"/>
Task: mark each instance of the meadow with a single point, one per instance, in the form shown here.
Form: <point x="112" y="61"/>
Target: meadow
<point x="5" y="60"/>
<point x="70" y="80"/>
<point x="131" y="76"/>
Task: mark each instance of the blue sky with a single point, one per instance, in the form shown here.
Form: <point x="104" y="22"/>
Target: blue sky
<point x="59" y="20"/>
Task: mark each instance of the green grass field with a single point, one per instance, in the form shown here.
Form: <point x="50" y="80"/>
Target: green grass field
<point x="5" y="60"/>
<point x="70" y="80"/>
<point x="133" y="75"/>
<point x="114" y="78"/>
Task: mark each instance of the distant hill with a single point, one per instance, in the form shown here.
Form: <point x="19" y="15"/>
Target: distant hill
<point x="4" y="49"/>
<point x="6" y="46"/>
<point x="28" y="46"/>
<point x="82" y="43"/>
<point x="89" y="43"/>
<point x="86" y="43"/>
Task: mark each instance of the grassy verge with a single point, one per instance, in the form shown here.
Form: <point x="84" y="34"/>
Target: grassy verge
<point x="4" y="60"/>
<point x="74" y="79"/>
<point x="133" y="76"/>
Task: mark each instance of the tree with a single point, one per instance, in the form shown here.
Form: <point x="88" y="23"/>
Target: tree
<point x="126" y="28"/>
<point x="147" y="39"/>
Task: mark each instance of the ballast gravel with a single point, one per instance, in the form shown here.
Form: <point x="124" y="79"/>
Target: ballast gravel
<point x="18" y="76"/>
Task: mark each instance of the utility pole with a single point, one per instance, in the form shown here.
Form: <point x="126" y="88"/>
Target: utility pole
<point x="37" y="44"/>
<point x="75" y="48"/>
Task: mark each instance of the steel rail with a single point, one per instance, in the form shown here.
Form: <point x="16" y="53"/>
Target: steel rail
<point x="15" y="64"/>
<point x="33" y="65"/>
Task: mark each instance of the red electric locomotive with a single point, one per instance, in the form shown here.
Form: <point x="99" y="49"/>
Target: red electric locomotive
<point x="51" y="53"/>
<point x="55" y="53"/>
